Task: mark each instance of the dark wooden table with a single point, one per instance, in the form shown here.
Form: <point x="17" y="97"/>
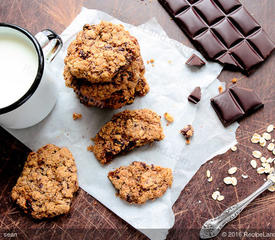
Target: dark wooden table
<point x="89" y="219"/>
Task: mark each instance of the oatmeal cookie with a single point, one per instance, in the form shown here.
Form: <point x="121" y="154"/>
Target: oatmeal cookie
<point x="122" y="91"/>
<point x="101" y="51"/>
<point x="125" y="131"/>
<point x="140" y="182"/>
<point x="47" y="183"/>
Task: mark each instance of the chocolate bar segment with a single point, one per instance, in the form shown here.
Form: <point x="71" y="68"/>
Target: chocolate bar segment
<point x="235" y="103"/>
<point x="195" y="60"/>
<point x="222" y="30"/>
<point x="195" y="95"/>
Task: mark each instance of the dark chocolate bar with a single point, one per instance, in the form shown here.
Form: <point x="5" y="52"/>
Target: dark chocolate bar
<point x="222" y="30"/>
<point x="195" y="61"/>
<point x="195" y="95"/>
<point x="235" y="103"/>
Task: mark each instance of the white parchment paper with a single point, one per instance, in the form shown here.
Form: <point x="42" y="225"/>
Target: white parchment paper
<point x="170" y="84"/>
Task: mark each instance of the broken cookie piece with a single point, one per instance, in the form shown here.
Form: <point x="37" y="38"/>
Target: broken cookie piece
<point x="140" y="182"/>
<point x="187" y="132"/>
<point x="47" y="183"/>
<point x="126" y="131"/>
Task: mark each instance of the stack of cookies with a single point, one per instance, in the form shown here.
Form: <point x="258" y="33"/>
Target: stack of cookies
<point x="104" y="66"/>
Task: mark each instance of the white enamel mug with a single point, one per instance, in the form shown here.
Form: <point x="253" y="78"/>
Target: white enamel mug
<point x="40" y="98"/>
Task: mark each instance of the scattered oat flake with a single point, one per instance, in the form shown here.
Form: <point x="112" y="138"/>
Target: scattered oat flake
<point x="215" y="195"/>
<point x="263" y="159"/>
<point x="220" y="198"/>
<point x="262" y="142"/>
<point x="270" y="128"/>
<point x="270" y="147"/>
<point x="255" y="138"/>
<point x="208" y="174"/>
<point x="272" y="188"/>
<point x="273" y="140"/>
<point x="244" y="176"/>
<point x="227" y="180"/>
<point x="77" y="116"/>
<point x="168" y="118"/>
<point x="234" y="80"/>
<point x="260" y="170"/>
<point x="234" y="181"/>
<point x="271" y="177"/>
<point x="273" y="152"/>
<point x="220" y="89"/>
<point x="267" y="136"/>
<point x="233" y="148"/>
<point x="253" y="163"/>
<point x="210" y="179"/>
<point x="256" y="154"/>
<point x="232" y="170"/>
<point x="270" y="160"/>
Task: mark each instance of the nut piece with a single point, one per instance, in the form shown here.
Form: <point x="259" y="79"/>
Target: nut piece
<point x="270" y="128"/>
<point x="256" y="154"/>
<point x="253" y="163"/>
<point x="187" y="132"/>
<point x="77" y="116"/>
<point x="234" y="80"/>
<point x="232" y="170"/>
<point x="233" y="148"/>
<point x="267" y="136"/>
<point x="168" y="118"/>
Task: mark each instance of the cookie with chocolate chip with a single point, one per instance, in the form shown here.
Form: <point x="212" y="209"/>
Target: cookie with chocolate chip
<point x="47" y="183"/>
<point x="139" y="182"/>
<point x="125" y="131"/>
<point x="101" y="51"/>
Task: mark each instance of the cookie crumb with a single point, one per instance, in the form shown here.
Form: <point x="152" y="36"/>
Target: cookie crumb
<point x="234" y="80"/>
<point x="220" y="89"/>
<point x="168" y="118"/>
<point x="77" y="116"/>
<point x="90" y="148"/>
<point x="187" y="132"/>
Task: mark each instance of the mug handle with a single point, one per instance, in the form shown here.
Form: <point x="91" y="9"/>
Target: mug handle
<point x="50" y="42"/>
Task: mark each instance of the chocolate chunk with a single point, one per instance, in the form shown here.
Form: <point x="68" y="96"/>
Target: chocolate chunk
<point x="195" y="95"/>
<point x="222" y="30"/>
<point x="187" y="131"/>
<point x="195" y="60"/>
<point x="235" y="103"/>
